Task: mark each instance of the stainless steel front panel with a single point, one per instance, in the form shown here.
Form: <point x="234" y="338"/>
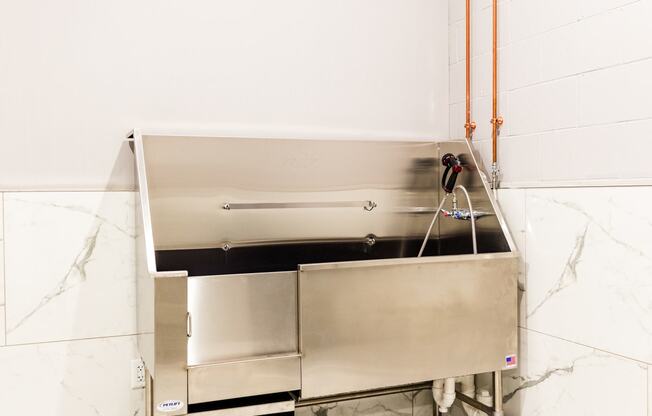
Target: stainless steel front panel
<point x="252" y="377"/>
<point x="368" y="325"/>
<point x="170" y="379"/>
<point x="242" y="316"/>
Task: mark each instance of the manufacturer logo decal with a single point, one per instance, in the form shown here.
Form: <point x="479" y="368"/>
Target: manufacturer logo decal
<point x="169" y="405"/>
<point x="510" y="361"/>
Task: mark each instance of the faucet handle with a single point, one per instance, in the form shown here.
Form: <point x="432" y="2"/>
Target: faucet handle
<point x="452" y="163"/>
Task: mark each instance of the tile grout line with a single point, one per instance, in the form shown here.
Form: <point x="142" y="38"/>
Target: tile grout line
<point x="581" y="184"/>
<point x="27" y="344"/>
<point x="580" y="18"/>
<point x="563" y="129"/>
<point x="63" y="190"/>
<point x="615" y="354"/>
<point x="569" y="129"/>
<point x="582" y="126"/>
<point x="568" y="76"/>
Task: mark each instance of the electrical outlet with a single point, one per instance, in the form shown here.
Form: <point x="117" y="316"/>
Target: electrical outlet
<point x="137" y="374"/>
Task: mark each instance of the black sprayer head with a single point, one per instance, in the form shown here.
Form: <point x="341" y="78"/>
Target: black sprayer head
<point x="452" y="163"/>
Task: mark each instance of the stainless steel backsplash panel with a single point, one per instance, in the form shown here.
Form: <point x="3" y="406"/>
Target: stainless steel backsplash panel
<point x="190" y="179"/>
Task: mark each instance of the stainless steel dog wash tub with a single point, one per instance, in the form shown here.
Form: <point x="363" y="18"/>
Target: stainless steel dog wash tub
<point x="275" y="271"/>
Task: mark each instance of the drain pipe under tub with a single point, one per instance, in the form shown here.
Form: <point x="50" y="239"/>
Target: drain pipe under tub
<point x="482" y="397"/>
<point x="481" y="406"/>
<point x="468" y="389"/>
<point x="443" y="391"/>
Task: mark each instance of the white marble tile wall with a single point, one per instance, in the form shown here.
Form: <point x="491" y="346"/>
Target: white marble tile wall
<point x="589" y="257"/>
<point x="586" y="314"/>
<point x="560" y="378"/>
<point x="422" y="403"/>
<point x="69" y="265"/>
<point x="69" y="304"/>
<point x="512" y="203"/>
<point x="418" y="403"/>
<point x="71" y="378"/>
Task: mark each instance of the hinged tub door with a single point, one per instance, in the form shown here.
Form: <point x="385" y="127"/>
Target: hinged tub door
<point x="374" y="324"/>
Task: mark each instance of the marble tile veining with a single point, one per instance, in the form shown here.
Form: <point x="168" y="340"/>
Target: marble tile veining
<point x="399" y="404"/>
<point x="69" y="265"/>
<point x="561" y="378"/>
<point x="589" y="262"/>
<point x="422" y="403"/>
<point x="76" y="378"/>
<point x="459" y="409"/>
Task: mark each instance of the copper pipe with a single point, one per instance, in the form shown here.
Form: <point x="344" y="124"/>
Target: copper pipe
<point x="469" y="126"/>
<point x="496" y="120"/>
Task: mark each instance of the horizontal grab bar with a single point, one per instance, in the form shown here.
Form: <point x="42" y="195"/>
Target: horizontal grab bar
<point x="369" y="240"/>
<point x="366" y="205"/>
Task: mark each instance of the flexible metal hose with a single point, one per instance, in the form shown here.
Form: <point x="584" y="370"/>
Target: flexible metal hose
<point x="432" y="224"/>
<point x="436" y="216"/>
<point x="468" y="200"/>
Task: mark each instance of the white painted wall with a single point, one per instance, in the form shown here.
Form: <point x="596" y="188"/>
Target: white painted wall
<point x="576" y="95"/>
<point x="77" y="75"/>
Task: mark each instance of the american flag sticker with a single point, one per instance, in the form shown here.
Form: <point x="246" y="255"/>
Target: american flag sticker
<point x="510" y="361"/>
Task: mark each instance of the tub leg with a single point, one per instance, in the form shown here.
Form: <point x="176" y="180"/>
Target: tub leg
<point x="148" y="394"/>
<point x="498" y="394"/>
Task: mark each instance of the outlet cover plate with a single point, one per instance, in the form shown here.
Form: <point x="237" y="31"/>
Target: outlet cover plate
<point x="137" y="374"/>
